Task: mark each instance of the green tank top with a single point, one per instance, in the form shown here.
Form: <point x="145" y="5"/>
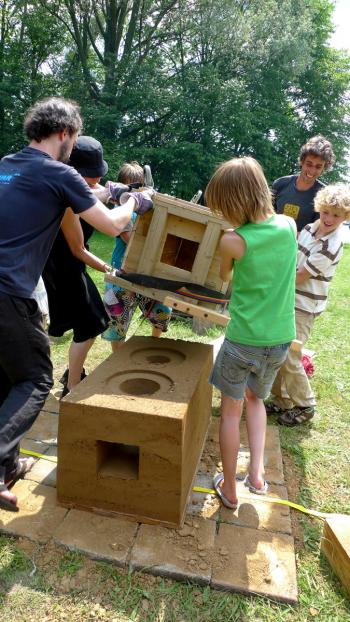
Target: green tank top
<point x="263" y="285"/>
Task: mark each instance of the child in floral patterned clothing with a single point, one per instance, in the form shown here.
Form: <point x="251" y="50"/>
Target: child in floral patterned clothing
<point x="120" y="303"/>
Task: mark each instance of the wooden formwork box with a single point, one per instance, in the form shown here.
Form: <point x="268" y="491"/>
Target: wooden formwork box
<point x="132" y="433"/>
<point x="177" y="240"/>
<point x="335" y="545"/>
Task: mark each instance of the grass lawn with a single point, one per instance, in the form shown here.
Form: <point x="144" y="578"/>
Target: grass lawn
<point x="45" y="584"/>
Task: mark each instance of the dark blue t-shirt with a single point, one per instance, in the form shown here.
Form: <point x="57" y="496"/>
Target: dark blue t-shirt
<point x="298" y="204"/>
<point x="35" y="190"/>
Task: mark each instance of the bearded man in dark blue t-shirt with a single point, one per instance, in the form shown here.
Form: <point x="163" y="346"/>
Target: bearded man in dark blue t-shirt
<point x="36" y="187"/>
<point x="294" y="195"/>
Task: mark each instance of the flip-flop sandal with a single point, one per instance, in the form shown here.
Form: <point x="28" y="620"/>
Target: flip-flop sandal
<point x="6" y="504"/>
<point x="219" y="477"/>
<point x="23" y="467"/>
<point x="256" y="491"/>
<point x="240" y="477"/>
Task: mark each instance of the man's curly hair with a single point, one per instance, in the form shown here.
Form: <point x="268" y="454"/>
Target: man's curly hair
<point x="50" y="116"/>
<point x="321" y="147"/>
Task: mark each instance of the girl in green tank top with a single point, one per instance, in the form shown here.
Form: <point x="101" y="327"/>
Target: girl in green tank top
<point x="259" y="255"/>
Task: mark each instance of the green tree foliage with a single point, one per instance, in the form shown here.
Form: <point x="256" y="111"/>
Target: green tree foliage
<point x="181" y="84"/>
<point x="29" y="41"/>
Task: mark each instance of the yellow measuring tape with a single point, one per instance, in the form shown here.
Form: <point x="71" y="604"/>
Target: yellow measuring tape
<point x="211" y="491"/>
<point x="295" y="506"/>
<point x="36" y="455"/>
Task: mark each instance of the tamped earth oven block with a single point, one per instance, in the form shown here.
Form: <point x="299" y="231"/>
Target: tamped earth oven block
<point x="132" y="433"/>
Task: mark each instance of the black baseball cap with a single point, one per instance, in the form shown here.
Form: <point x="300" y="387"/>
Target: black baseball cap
<point x="87" y="157"/>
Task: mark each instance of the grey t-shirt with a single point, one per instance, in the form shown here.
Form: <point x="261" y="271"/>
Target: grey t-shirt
<point x="35" y="190"/>
<point x="298" y="204"/>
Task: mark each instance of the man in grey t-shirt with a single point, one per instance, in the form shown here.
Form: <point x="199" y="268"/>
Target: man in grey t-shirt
<point x="294" y="195"/>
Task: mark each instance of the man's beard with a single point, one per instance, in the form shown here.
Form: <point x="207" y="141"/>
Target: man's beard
<point x="65" y="151"/>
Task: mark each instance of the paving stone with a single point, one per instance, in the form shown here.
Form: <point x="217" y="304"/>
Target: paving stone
<point x="38" y="517"/>
<point x="183" y="554"/>
<point x="273" y="465"/>
<point x="44" y="471"/>
<point x="101" y="537"/>
<point x="44" y="428"/>
<point x="258" y="514"/>
<point x="33" y="445"/>
<point x="253" y="510"/>
<point x="272" y="434"/>
<point x="201" y="504"/>
<point x="52" y="404"/>
<point x="255" y="561"/>
<point x="272" y="457"/>
<point x="272" y="440"/>
<point x="213" y="432"/>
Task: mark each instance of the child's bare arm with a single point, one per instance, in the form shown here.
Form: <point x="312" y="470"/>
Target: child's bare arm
<point x="125" y="236"/>
<point x="232" y="246"/>
<point x="302" y="275"/>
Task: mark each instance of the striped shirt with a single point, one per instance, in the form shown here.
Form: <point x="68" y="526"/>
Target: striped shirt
<point x="320" y="258"/>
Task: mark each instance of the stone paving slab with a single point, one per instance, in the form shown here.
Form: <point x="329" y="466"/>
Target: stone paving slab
<point x="258" y="514"/>
<point x="52" y="404"/>
<point x="248" y="550"/>
<point x="201" y="504"/>
<point x="102" y="537"/>
<point x="255" y="562"/>
<point x="30" y="444"/>
<point x="272" y="458"/>
<point x="45" y="428"/>
<point x="39" y="515"/>
<point x="44" y="471"/>
<point x="183" y="554"/>
<point x="252" y="511"/>
<point x="272" y="434"/>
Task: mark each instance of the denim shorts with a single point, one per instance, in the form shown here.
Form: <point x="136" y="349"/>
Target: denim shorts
<point x="239" y="366"/>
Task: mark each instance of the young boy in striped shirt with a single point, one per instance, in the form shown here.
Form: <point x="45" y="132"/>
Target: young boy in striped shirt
<point x="320" y="248"/>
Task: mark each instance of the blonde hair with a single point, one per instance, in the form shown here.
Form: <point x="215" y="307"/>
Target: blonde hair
<point x="130" y="172"/>
<point x="239" y="192"/>
<point x="334" y="197"/>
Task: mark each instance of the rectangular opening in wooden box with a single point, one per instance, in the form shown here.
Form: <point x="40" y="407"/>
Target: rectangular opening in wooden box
<point x="117" y="460"/>
<point x="179" y="252"/>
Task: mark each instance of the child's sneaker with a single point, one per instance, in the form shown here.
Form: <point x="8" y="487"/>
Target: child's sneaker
<point x="296" y="415"/>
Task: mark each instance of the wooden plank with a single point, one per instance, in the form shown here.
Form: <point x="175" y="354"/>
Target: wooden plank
<point x="137" y="241"/>
<point x="186" y="229"/>
<point x="205" y="311"/>
<point x="205" y="253"/>
<point x="149" y="292"/>
<point x="335" y="545"/>
<point x="165" y="271"/>
<point x="154" y="242"/>
<point x="191" y="309"/>
<point x="179" y="207"/>
<point x="172" y="300"/>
